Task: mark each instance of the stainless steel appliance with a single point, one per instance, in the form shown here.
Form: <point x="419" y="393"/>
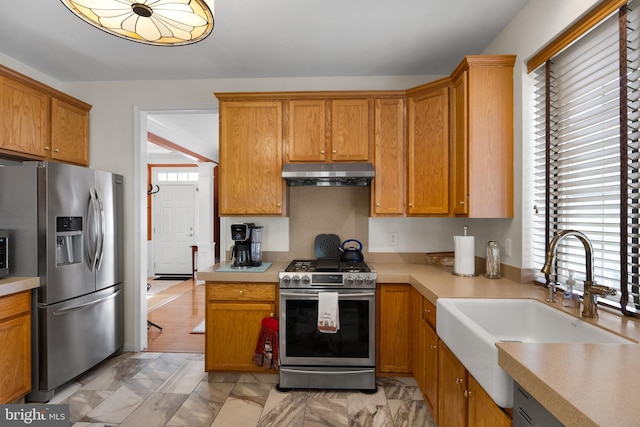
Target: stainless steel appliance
<point x="313" y="359"/>
<point x="4" y="253"/>
<point x="247" y="249"/>
<point x="328" y="174"/>
<point x="65" y="223"/>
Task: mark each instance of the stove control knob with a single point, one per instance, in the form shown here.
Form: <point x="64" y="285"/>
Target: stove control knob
<point x="295" y="279"/>
<point x="368" y="281"/>
<point x="305" y="280"/>
<point x="359" y="280"/>
<point x="348" y="280"/>
<point x="285" y="279"/>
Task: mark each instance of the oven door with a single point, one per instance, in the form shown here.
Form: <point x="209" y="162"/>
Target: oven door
<point x="302" y="344"/>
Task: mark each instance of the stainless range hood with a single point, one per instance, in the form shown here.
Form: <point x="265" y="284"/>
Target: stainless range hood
<point x="328" y="174"/>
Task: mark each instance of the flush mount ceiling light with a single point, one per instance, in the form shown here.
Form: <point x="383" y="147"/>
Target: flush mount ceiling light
<point x="155" y="22"/>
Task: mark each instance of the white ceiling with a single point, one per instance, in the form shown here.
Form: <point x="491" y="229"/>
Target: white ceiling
<point x="260" y="39"/>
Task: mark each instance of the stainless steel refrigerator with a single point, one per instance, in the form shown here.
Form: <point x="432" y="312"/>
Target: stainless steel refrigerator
<point x="65" y="224"/>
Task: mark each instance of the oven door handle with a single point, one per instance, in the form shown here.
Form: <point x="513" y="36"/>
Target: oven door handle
<point x="340" y="295"/>
<point x="326" y="372"/>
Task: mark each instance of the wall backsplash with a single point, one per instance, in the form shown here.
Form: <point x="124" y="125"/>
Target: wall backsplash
<point x="317" y="210"/>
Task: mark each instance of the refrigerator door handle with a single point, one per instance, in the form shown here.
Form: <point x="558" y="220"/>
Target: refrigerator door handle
<point x="101" y="230"/>
<point x="92" y="234"/>
<point x="66" y="310"/>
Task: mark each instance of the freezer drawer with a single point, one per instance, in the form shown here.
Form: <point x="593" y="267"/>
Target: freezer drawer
<point x="74" y="336"/>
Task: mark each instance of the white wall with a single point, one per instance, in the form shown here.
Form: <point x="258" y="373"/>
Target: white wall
<point x="116" y="134"/>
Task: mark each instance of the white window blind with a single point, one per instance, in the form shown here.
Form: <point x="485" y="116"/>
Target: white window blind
<point x="583" y="106"/>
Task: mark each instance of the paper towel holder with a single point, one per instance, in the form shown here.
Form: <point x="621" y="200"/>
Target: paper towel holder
<point x="474" y="274"/>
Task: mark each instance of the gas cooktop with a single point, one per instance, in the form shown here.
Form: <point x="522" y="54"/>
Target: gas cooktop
<point x="327" y="273"/>
<point x="327" y="265"/>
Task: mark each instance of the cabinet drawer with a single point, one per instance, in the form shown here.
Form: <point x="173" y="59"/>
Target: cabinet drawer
<point x="12" y="305"/>
<point x="242" y="292"/>
<point x="429" y="312"/>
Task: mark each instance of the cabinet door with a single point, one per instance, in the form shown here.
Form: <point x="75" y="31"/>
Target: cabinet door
<point x="307" y="131"/>
<point x="388" y="185"/>
<point x="395" y="331"/>
<point x="430" y="362"/>
<point x="459" y="178"/>
<point x="490" y="140"/>
<point x="483" y="412"/>
<point x="251" y="158"/>
<point x="15" y="336"/>
<point x="24" y="127"/>
<point x="350" y="137"/>
<point x="69" y="133"/>
<point x="232" y="333"/>
<point x="452" y="410"/>
<point x="428" y="152"/>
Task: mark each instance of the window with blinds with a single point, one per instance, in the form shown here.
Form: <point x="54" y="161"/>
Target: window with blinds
<point x="587" y="161"/>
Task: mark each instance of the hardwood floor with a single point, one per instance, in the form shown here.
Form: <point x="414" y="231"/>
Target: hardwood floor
<point x="177" y="310"/>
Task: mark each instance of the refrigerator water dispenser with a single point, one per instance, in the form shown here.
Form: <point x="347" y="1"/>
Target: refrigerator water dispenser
<point x="68" y="240"/>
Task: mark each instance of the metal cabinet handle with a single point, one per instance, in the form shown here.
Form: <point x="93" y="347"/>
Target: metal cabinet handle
<point x="461" y="202"/>
<point x="321" y="151"/>
<point x="467" y="393"/>
<point x="427" y="310"/>
<point x="459" y="380"/>
<point x="241" y="293"/>
<point x="46" y="148"/>
<point x="433" y="347"/>
<point x="334" y="151"/>
<point x="56" y="150"/>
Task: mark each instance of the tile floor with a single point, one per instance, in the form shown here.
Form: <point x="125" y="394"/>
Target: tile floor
<point x="172" y="389"/>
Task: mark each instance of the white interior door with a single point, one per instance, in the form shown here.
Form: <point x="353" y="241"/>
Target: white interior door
<point x="174" y="209"/>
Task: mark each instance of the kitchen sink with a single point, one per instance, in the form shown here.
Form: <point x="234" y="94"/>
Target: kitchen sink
<point x="471" y="327"/>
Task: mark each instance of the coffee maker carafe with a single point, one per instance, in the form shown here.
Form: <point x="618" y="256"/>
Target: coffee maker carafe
<point x="241" y="250"/>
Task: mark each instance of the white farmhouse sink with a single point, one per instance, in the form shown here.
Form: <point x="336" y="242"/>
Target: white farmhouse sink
<point x="471" y="327"/>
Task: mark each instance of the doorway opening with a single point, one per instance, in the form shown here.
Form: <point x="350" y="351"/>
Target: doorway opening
<point x="170" y="210"/>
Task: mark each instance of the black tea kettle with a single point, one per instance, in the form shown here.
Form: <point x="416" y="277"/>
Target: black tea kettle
<point x="351" y="253"/>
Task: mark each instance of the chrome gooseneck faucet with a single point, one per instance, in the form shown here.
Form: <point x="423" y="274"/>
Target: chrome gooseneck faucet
<point x="591" y="290"/>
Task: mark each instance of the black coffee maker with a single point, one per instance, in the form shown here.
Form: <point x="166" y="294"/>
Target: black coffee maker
<point x="241" y="251"/>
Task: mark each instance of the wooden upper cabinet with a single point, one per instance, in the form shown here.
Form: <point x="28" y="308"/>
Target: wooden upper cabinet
<point x="350" y="135"/>
<point x="251" y="158"/>
<point x="307" y="130"/>
<point x="41" y="123"/>
<point x="328" y="130"/>
<point x="24" y="127"/>
<point x="428" y="149"/>
<point x="389" y="152"/>
<point x="459" y="155"/>
<point x="69" y="132"/>
<point x="482" y="137"/>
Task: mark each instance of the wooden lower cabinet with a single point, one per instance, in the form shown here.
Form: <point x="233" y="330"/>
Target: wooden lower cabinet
<point x="425" y="353"/>
<point x="452" y="410"/>
<point x="15" y="340"/>
<point x="483" y="412"/>
<point x="463" y="402"/>
<point x="233" y="320"/>
<point x="394" y="329"/>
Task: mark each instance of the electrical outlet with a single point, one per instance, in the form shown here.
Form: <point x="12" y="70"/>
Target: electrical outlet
<point x="393" y="238"/>
<point x="507" y="247"/>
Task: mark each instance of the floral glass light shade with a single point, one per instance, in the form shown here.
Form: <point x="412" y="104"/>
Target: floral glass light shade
<point x="155" y="22"/>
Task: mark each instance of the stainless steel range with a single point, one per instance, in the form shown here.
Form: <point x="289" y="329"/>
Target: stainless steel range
<point x="309" y="356"/>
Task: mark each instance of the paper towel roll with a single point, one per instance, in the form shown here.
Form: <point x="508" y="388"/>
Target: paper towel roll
<point x="464" y="263"/>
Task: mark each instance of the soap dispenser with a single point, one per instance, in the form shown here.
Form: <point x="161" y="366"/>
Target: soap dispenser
<point x="570" y="298"/>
